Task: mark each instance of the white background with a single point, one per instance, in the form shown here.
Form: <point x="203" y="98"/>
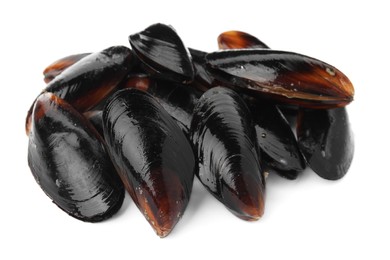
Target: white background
<point x="309" y="218"/>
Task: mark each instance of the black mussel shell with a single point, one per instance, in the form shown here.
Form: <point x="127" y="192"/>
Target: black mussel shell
<point x="163" y="52"/>
<point x="69" y="161"/>
<point x="326" y="140"/>
<point x="54" y="69"/>
<point x="276" y="139"/>
<point x="87" y="82"/>
<point x="154" y="158"/>
<point x="224" y="139"/>
<point x="239" y="40"/>
<point x="283" y="76"/>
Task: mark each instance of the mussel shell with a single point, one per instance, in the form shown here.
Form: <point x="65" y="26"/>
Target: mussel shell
<point x="239" y="40"/>
<point x="154" y="158"/>
<point x="163" y="52"/>
<point x="276" y="139"/>
<point x="326" y="140"/>
<point x="70" y="163"/>
<point x="54" y="69"/>
<point x="224" y="140"/>
<point x="283" y="76"/>
<point x="86" y="83"/>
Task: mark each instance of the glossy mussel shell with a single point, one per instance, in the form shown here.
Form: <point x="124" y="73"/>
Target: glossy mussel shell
<point x="70" y="163"/>
<point x="283" y="76"/>
<point x="276" y="139"/>
<point x="326" y="140"/>
<point x="163" y="52"/>
<point x="60" y="65"/>
<point x="224" y="140"/>
<point x="154" y="158"/>
<point x="88" y="81"/>
<point x="239" y="40"/>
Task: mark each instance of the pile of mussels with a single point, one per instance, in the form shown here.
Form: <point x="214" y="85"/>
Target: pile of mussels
<point x="148" y="119"/>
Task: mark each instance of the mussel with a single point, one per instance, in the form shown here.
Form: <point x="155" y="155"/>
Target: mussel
<point x="224" y="140"/>
<point x="163" y="53"/>
<point x="154" y="158"/>
<point x="88" y="81"/>
<point x="149" y="119"/>
<point x="283" y="76"/>
<point x="91" y="79"/>
<point x="326" y="140"/>
<point x="69" y="161"/>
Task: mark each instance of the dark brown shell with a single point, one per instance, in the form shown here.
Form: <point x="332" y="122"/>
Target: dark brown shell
<point x="163" y="52"/>
<point x="283" y="76"/>
<point x="326" y="140"/>
<point x="224" y="140"/>
<point x="154" y="158"/>
<point x="239" y="40"/>
<point x="69" y="161"/>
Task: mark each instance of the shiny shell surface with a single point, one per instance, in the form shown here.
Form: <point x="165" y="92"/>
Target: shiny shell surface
<point x="283" y="76"/>
<point x="224" y="140"/>
<point x="276" y="139"/>
<point x="154" y="158"/>
<point x="70" y="163"/>
<point x="326" y="140"/>
<point x="163" y="52"/>
<point x="88" y="81"/>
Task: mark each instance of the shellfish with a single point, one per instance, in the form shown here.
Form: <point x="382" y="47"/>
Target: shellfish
<point x="69" y="161"/>
<point x="150" y="118"/>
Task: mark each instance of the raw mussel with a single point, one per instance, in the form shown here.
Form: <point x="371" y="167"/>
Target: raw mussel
<point x="69" y="161"/>
<point x="224" y="140"/>
<point x="87" y="82"/>
<point x="91" y="79"/>
<point x="326" y="140"/>
<point x="163" y="53"/>
<point x="283" y="76"/>
<point x="152" y="154"/>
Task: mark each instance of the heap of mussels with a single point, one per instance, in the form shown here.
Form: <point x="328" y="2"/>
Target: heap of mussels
<point x="148" y="119"/>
